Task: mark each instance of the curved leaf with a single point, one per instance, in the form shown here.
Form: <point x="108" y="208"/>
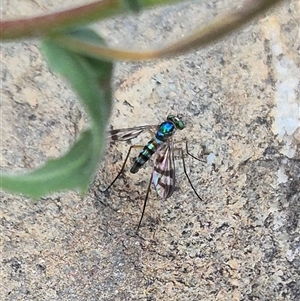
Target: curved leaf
<point x="91" y="79"/>
<point x="71" y="170"/>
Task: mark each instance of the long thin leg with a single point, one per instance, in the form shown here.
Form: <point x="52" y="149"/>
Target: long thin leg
<point x="184" y="169"/>
<point x="123" y="166"/>
<point x="145" y="203"/>
<point x="187" y="149"/>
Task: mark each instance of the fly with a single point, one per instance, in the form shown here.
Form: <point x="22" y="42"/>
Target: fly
<point x="161" y="146"/>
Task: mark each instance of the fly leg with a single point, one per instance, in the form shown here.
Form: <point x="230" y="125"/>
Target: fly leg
<point x="145" y="203"/>
<point x="186" y="174"/>
<point x="122" y="168"/>
<point x="181" y="150"/>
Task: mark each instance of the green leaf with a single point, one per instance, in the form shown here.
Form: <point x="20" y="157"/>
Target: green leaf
<point x="71" y="170"/>
<point x="91" y="79"/>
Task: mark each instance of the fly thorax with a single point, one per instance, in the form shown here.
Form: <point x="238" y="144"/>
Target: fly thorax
<point x="165" y="130"/>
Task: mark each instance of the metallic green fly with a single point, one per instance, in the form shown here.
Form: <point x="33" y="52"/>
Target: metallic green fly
<point x="161" y="147"/>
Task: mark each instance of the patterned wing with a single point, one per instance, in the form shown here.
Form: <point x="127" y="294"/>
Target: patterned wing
<point x="128" y="133"/>
<point x="164" y="171"/>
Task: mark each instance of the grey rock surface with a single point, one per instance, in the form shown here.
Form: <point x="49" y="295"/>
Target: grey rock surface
<point x="240" y="100"/>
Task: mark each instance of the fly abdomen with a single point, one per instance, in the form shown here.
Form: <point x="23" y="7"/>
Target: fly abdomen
<point x="144" y="156"/>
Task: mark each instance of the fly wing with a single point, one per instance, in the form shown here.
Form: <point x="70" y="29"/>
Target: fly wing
<point x="128" y="133"/>
<point x="164" y="171"/>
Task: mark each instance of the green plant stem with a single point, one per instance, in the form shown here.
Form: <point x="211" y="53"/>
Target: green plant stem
<point x="56" y="22"/>
<point x="204" y="36"/>
<point x="219" y="27"/>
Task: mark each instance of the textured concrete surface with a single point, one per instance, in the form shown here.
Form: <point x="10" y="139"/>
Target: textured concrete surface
<point x="240" y="98"/>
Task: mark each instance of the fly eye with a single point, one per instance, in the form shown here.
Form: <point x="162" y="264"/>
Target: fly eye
<point x="180" y="125"/>
<point x="177" y="121"/>
<point x="171" y="117"/>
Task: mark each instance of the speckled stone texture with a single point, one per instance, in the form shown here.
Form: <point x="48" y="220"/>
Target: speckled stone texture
<point x="240" y="99"/>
